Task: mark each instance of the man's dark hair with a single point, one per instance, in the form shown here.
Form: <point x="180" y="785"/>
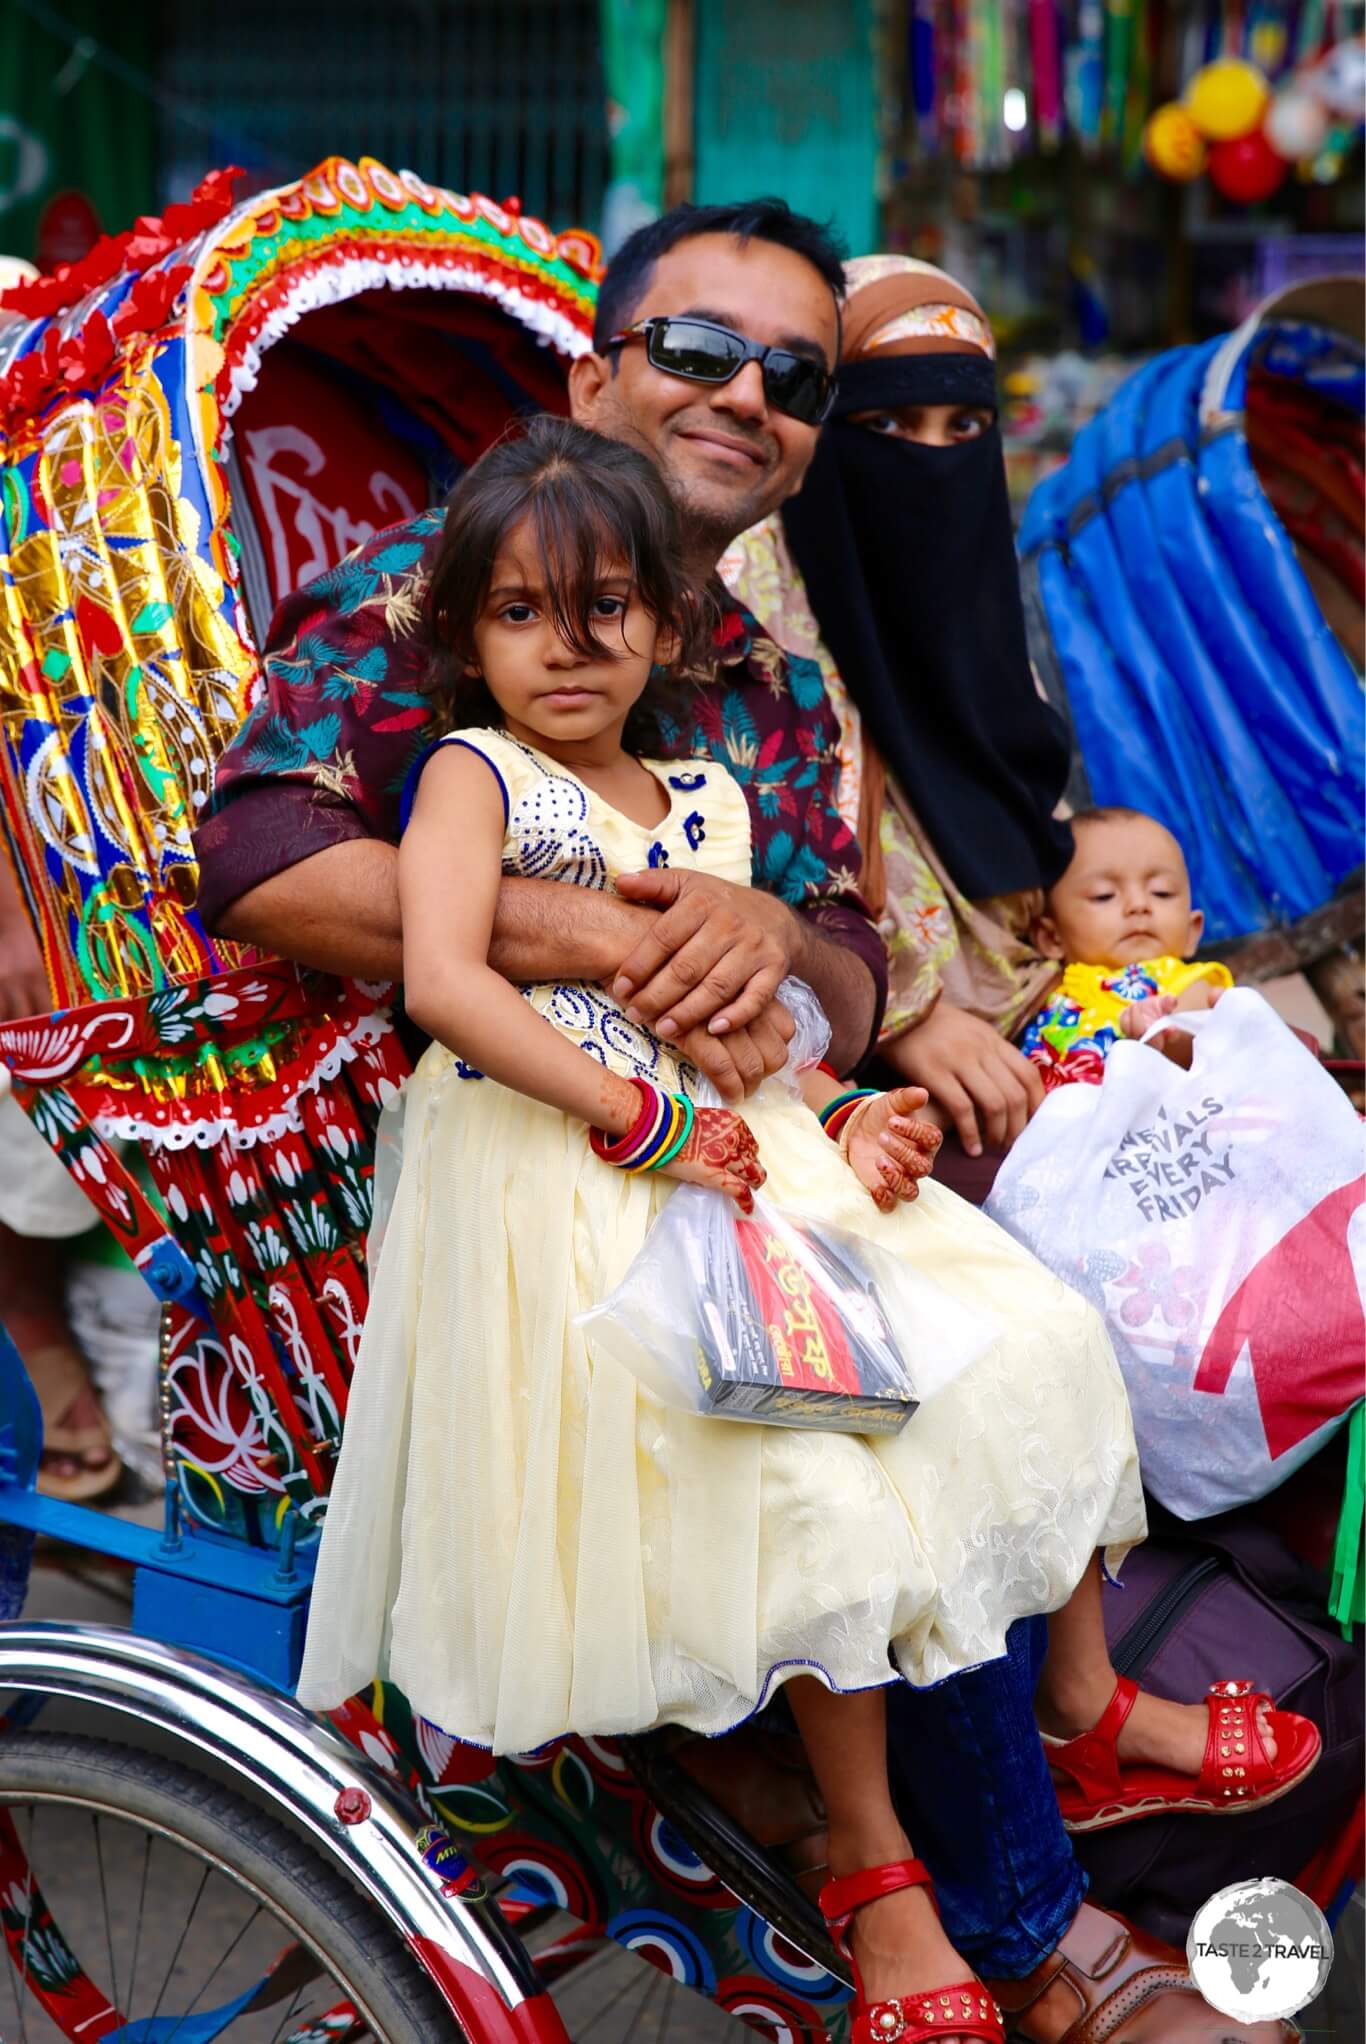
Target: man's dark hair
<point x="587" y="501"/>
<point x="630" y="270"/>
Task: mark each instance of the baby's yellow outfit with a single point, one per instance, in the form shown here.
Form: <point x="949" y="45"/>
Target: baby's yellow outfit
<point x="524" y="1540"/>
<point x="1072" y="1034"/>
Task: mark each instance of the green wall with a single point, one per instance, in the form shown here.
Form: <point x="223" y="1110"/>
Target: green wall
<point x="784" y="102"/>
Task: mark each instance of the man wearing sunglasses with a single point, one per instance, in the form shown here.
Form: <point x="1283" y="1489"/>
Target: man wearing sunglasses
<point x="716" y="335"/>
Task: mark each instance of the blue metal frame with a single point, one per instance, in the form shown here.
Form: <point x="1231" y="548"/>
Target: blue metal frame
<point x="244" y="1605"/>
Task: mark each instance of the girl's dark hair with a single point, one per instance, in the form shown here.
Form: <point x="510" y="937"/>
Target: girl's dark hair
<point x="588" y="501"/>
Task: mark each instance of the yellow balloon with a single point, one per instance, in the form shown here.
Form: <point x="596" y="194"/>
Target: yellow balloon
<point x="1173" y="144"/>
<point x="1227" y="99"/>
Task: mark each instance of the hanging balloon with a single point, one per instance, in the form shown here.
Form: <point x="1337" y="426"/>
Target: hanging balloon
<point x="1340" y="80"/>
<point x="1227" y="99"/>
<point x="1295" y="125"/>
<point x="1173" y="144"/>
<point x="1247" y="168"/>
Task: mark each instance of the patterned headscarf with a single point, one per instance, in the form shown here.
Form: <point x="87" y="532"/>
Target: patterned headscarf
<point x="901" y="306"/>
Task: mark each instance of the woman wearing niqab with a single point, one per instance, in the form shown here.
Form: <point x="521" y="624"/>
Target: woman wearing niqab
<point x="895" y="567"/>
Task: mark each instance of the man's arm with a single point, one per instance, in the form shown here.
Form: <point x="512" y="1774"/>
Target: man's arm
<point x="338" y="910"/>
<point x="845" y="987"/>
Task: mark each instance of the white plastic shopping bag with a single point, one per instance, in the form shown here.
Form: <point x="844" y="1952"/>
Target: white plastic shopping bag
<point x="1216" y="1218"/>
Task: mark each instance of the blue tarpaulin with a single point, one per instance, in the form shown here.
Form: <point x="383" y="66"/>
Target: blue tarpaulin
<point x="1169" y="611"/>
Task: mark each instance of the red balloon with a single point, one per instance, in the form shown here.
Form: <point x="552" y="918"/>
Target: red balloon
<point x="1247" y="168"/>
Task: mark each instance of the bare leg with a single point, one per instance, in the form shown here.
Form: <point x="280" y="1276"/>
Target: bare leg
<point x="1078" y="1681"/>
<point x="900" y="1946"/>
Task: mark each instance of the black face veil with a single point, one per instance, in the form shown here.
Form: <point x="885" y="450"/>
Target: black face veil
<point x="909" y="561"/>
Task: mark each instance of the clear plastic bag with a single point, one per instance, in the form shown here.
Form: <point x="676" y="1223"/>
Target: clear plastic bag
<point x="782" y="1319"/>
<point x="760" y="1318"/>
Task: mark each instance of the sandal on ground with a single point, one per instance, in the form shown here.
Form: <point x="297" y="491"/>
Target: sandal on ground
<point x="1236" y="1774"/>
<point x="59" y="1376"/>
<point x="963" y="2010"/>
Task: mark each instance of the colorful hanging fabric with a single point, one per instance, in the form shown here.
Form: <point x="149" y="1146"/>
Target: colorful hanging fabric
<point x="924" y="74"/>
<point x="1086" y="75"/>
<point x="1046" y="63"/>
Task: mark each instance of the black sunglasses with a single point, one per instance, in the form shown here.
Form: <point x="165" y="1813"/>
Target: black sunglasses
<point x="707" y="353"/>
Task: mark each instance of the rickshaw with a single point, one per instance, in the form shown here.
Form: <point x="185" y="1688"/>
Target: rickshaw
<point x="207" y="412"/>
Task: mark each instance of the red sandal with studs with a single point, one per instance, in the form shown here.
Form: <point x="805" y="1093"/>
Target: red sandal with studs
<point x="963" y="2010"/>
<point x="1236" y="1774"/>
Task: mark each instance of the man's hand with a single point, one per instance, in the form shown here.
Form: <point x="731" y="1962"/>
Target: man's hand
<point x="715" y="956"/>
<point x="971" y="1074"/>
<point x="739" y="1062"/>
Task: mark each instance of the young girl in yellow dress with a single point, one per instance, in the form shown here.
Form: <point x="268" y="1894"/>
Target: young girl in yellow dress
<point x="519" y="1535"/>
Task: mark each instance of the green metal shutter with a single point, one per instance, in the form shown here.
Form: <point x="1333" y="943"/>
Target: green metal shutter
<point x="496" y="96"/>
<point x="785" y="103"/>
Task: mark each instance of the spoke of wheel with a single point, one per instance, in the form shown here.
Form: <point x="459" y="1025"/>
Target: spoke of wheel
<point x="104" y="1902"/>
<point x="180" y="1941"/>
<point x="289" y="2014"/>
<point x="219" y="1963"/>
<point x="137" y="1927"/>
<point x="28" y="1926"/>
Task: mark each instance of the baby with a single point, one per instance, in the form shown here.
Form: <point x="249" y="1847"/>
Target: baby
<point x="1121" y="921"/>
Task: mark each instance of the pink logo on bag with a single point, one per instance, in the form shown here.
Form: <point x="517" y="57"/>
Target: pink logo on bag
<point x="1303" y="1293"/>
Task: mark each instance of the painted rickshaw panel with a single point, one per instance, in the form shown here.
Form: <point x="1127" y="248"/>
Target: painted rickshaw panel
<point x="128" y="660"/>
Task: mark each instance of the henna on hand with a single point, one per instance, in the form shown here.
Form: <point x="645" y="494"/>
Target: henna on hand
<point x="889" y="1148"/>
<point x="722" y="1140"/>
<point x="720" y="1152"/>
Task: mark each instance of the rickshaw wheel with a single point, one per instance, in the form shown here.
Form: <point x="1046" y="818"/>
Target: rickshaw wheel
<point x="100" y="1827"/>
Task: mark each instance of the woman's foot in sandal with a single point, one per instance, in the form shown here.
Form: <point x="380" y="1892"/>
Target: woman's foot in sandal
<point x="1143" y="1756"/>
<point x="901" y="1958"/>
<point x="1155" y="1733"/>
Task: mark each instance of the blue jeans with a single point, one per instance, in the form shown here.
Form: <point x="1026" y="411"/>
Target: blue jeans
<point x="973" y="1789"/>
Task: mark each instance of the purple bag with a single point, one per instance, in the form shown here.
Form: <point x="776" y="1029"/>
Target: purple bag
<point x="1232" y="1600"/>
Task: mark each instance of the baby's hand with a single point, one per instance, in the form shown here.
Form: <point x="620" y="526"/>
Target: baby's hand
<point x="720" y="1152"/>
<point x="1140" y="1016"/>
<point x="889" y="1150"/>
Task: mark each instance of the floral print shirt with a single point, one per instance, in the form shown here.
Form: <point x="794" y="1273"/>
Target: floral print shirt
<point x="340" y="718"/>
<point x="1075" y="1031"/>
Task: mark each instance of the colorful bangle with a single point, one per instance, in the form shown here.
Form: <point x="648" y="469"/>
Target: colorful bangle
<point x="680" y="1141"/>
<point x="660" y="1140"/>
<point x="619" y="1149"/>
<point x="659" y="1132"/>
<point x="837" y="1113"/>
